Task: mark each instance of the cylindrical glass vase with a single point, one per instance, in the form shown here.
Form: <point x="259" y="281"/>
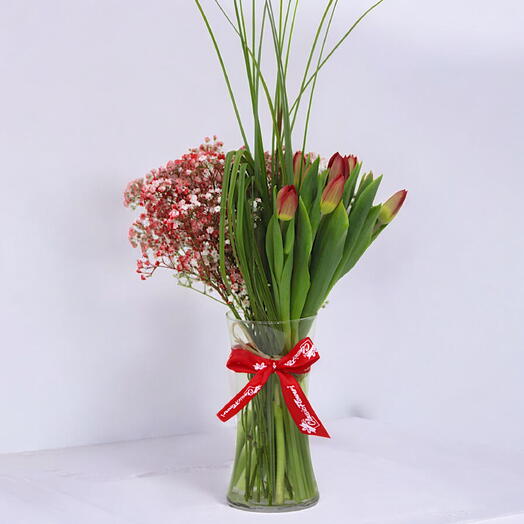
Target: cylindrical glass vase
<point x="272" y="470"/>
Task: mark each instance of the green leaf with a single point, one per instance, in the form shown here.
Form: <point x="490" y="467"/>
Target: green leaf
<point x="290" y="237"/>
<point x="284" y="284"/>
<point x="300" y="281"/>
<point x="325" y="257"/>
<point x="278" y="248"/>
<point x="364" y="183"/>
<point x="314" y="211"/>
<point x="364" y="240"/>
<point x="351" y="183"/>
<point x="357" y="217"/>
<point x="378" y="231"/>
<point x="308" y="190"/>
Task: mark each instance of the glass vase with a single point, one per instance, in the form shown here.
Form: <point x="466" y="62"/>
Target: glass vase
<point x="272" y="470"/>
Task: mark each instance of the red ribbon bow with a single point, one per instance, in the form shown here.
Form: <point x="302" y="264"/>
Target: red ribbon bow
<point x="298" y="361"/>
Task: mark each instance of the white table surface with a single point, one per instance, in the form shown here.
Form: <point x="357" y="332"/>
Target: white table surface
<point x="368" y="473"/>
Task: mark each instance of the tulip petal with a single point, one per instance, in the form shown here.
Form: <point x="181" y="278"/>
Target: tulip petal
<point x="287" y="203"/>
<point x="332" y="194"/>
<point x="338" y="165"/>
<point x="392" y="206"/>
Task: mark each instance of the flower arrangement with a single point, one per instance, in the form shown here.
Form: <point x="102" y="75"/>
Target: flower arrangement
<point x="267" y="231"/>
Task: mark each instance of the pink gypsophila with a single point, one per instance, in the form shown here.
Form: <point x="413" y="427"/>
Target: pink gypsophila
<point x="178" y="227"/>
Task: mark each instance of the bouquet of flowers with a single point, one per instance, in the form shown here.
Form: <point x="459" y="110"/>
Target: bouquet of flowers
<point x="267" y="231"/>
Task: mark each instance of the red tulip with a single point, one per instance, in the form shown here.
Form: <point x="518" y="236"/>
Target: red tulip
<point x="299" y="168"/>
<point x="287" y="202"/>
<point x="338" y="166"/>
<point x="341" y="165"/>
<point x="332" y="194"/>
<point x="299" y="162"/>
<point x="352" y="161"/>
<point x="391" y="207"/>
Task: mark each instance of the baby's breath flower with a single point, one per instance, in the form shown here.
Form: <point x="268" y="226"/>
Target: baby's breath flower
<point x="178" y="228"/>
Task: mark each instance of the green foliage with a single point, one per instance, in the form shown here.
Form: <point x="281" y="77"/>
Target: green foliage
<point x="349" y="190"/>
<point x="325" y="257"/>
<point x="288" y="267"/>
<point x="301" y="280"/>
<point x="308" y="190"/>
<point x="357" y="218"/>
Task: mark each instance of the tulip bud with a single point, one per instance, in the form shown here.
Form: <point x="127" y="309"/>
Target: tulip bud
<point x="287" y="203"/>
<point x="299" y="162"/>
<point x="391" y="207"/>
<point x="332" y="194"/>
<point x="299" y="168"/>
<point x="352" y="162"/>
<point x="338" y="165"/>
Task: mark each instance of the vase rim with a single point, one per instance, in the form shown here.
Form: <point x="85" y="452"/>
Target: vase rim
<point x="230" y="317"/>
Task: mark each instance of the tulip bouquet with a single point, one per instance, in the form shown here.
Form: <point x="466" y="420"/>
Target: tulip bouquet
<point x="268" y="231"/>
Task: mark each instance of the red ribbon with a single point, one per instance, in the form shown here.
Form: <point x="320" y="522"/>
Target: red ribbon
<point x="298" y="361"/>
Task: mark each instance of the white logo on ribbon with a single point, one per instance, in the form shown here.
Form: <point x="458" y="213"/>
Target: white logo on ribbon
<point x="251" y="391"/>
<point x="259" y="366"/>
<point x="308" y="423"/>
<point x="307" y="348"/>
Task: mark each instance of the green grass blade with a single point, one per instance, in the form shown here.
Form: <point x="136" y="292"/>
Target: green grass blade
<point x="303" y="88"/>
<point x="225" y="73"/>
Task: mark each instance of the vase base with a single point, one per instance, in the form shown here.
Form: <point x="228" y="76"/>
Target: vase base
<point x="265" y="508"/>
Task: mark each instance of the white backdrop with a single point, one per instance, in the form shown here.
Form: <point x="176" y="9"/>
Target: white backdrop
<point x="428" y="328"/>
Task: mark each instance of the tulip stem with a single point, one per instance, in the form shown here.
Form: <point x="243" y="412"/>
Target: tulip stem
<point x="280" y="447"/>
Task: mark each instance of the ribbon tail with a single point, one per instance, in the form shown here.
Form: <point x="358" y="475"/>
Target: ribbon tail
<point x="299" y="407"/>
<point x="243" y="397"/>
